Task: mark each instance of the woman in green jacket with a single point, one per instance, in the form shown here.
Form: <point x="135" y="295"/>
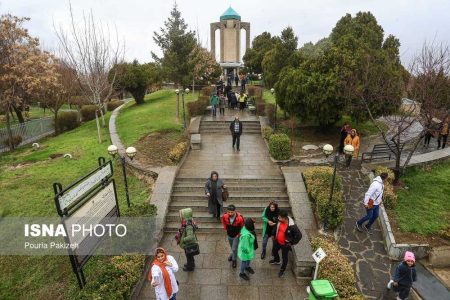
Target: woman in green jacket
<point x="247" y="247"/>
<point x="270" y="219"/>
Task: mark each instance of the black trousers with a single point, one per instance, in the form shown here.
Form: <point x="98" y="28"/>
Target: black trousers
<point x="444" y="141"/>
<point x="236" y="140"/>
<point x="284" y="253"/>
<point x="190" y="261"/>
<point x="222" y="111"/>
<point x="427" y="139"/>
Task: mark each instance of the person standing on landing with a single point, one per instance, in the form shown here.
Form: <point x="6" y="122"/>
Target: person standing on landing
<point x="270" y="219"/>
<point x="222" y="104"/>
<point x="162" y="275"/>
<point x="247" y="247"/>
<point x="213" y="190"/>
<point x="285" y="235"/>
<point x="236" y="131"/>
<point x="233" y="222"/>
<point x="405" y="275"/>
<point x="372" y="201"/>
<point x="187" y="239"/>
<point x="214" y="100"/>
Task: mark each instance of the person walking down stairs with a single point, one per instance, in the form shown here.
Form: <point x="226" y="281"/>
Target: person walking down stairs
<point x="213" y="190"/>
<point x="236" y="131"/>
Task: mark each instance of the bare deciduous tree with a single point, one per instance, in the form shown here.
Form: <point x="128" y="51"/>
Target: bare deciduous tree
<point x="429" y="88"/>
<point x="89" y="50"/>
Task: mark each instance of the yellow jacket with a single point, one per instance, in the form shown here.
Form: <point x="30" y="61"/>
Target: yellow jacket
<point x="354" y="141"/>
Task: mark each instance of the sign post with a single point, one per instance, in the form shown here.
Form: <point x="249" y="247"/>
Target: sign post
<point x="318" y="256"/>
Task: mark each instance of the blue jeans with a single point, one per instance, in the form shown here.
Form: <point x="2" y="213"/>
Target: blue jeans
<point x="244" y="265"/>
<point x="265" y="241"/>
<point x="213" y="110"/>
<point x="234" y="244"/>
<point x="174" y="297"/>
<point x="371" y="216"/>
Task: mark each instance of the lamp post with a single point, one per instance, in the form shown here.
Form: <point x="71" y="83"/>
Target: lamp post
<point x="328" y="150"/>
<point x="272" y="90"/>
<point x="186" y="91"/>
<point x="131" y="153"/>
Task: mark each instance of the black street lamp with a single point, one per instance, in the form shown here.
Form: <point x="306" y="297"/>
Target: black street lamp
<point x="272" y="90"/>
<point x="186" y="91"/>
<point x="131" y="153"/>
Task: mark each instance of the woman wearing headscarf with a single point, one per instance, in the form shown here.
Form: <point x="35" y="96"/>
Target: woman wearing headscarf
<point x="247" y="247"/>
<point x="270" y="219"/>
<point x="213" y="190"/>
<point x="162" y="275"/>
<point x="353" y="139"/>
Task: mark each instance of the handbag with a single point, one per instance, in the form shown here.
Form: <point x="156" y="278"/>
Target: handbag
<point x="225" y="194"/>
<point x="192" y="249"/>
<point x="371" y="201"/>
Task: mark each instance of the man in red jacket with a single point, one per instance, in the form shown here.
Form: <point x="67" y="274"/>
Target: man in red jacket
<point x="233" y="222"/>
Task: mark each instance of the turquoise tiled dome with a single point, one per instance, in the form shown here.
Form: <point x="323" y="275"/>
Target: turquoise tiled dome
<point x="230" y="14"/>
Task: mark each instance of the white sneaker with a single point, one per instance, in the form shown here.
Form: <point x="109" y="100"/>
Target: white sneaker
<point x="389" y="285"/>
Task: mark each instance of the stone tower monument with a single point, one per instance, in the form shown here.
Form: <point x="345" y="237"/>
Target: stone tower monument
<point x="230" y="26"/>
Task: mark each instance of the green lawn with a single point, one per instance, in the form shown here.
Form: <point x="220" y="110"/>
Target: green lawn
<point x="26" y="179"/>
<point x="158" y="113"/>
<point x="424" y="207"/>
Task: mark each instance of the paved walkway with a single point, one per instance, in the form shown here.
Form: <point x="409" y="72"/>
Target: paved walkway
<point x="366" y="252"/>
<point x="214" y="278"/>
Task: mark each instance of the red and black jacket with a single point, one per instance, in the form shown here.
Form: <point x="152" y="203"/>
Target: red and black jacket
<point x="234" y="229"/>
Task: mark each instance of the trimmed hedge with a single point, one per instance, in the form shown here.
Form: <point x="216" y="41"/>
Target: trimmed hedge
<point x="197" y="108"/>
<point x="260" y="108"/>
<point x="389" y="195"/>
<point x="267" y="131"/>
<point x="178" y="151"/>
<point x="113" y="104"/>
<point x="280" y="146"/>
<point x="318" y="183"/>
<point x="255" y="91"/>
<point x="88" y="112"/>
<point x="336" y="268"/>
<point x="68" y="120"/>
<point x="207" y="91"/>
<point x="16" y="140"/>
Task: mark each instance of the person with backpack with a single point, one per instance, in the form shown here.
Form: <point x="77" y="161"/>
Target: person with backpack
<point x="372" y="202"/>
<point x="233" y="222"/>
<point x="162" y="275"/>
<point x="270" y="219"/>
<point x="285" y="235"/>
<point x="247" y="246"/>
<point x="187" y="239"/>
<point x="404" y="276"/>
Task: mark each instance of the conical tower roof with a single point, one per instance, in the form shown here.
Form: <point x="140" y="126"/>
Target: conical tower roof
<point x="230" y="14"/>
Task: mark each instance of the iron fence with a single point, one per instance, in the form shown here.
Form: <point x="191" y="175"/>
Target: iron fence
<point x="30" y="132"/>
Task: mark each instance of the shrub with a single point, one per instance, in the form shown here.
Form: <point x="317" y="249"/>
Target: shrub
<point x="207" y="91"/>
<point x="16" y="140"/>
<point x="178" y="151"/>
<point x="318" y="183"/>
<point x="68" y="120"/>
<point x="267" y="131"/>
<point x="336" y="268"/>
<point x="88" y="112"/>
<point x="280" y="146"/>
<point x="114" y="280"/>
<point x="270" y="112"/>
<point x="195" y="108"/>
<point x="261" y="108"/>
<point x="113" y="104"/>
<point x="389" y="195"/>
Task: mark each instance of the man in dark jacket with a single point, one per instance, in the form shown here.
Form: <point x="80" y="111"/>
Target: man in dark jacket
<point x="233" y="222"/>
<point x="236" y="131"/>
<point x="285" y="235"/>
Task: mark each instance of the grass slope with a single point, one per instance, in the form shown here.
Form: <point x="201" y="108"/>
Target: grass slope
<point x="158" y="113"/>
<point x="424" y="207"/>
<point x="27" y="191"/>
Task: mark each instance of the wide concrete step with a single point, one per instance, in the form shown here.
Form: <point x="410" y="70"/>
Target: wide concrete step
<point x="204" y="216"/>
<point x="212" y="126"/>
<point x="213" y="226"/>
<point x="233" y="198"/>
<point x="233" y="181"/>
<point x="219" y="122"/>
<point x="231" y="188"/>
<point x="241" y="205"/>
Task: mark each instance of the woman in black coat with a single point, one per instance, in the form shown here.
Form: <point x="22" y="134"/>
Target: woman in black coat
<point x="213" y="190"/>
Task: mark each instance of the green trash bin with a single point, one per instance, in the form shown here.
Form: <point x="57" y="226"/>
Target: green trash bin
<point x="322" y="289"/>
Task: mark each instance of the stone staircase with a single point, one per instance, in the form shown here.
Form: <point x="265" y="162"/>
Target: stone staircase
<point x="250" y="196"/>
<point x="223" y="127"/>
